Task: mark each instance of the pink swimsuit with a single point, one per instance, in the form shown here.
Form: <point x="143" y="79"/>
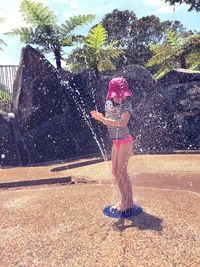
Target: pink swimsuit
<point x="127" y="140"/>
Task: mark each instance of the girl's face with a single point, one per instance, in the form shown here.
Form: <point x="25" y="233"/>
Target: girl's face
<point x="119" y="100"/>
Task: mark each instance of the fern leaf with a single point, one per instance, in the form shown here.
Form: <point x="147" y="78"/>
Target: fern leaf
<point x="2" y="43"/>
<point x="159" y="57"/>
<point x="105" y="65"/>
<point x="112" y="52"/>
<point x="37" y="14"/>
<point x="172" y="38"/>
<point x="97" y="38"/>
<point x="161" y="73"/>
<point x="74" y="22"/>
<point x="26" y="34"/>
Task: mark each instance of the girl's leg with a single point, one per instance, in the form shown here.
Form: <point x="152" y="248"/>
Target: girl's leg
<point x="124" y="180"/>
<point x="114" y="157"/>
<point x="120" y="156"/>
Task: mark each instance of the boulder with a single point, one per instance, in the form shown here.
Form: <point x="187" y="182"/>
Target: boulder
<point x="9" y="155"/>
<point x="37" y="94"/>
<point x="61" y="137"/>
<point x="141" y="82"/>
<point x="154" y="125"/>
<point x="179" y="75"/>
<point x="52" y="111"/>
<point x="182" y="90"/>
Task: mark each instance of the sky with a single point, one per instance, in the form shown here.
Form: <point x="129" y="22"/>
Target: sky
<point x="63" y="9"/>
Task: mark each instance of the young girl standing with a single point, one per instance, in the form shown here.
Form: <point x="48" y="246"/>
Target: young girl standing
<point x="118" y="111"/>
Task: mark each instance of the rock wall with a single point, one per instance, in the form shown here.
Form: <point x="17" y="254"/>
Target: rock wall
<point x="182" y="90"/>
<point x="9" y="155"/>
<point x="52" y="108"/>
<point x="153" y="123"/>
<point x="52" y="112"/>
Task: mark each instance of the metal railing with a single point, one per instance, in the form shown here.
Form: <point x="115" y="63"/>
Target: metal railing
<point x="7" y="76"/>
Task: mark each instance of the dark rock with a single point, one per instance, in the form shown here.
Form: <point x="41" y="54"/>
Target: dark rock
<point x="182" y="90"/>
<point x="179" y="76"/>
<point x="37" y="94"/>
<point x="61" y="137"/>
<point x="140" y="81"/>
<point x="9" y="155"/>
<point x="154" y="126"/>
<point x="52" y="111"/>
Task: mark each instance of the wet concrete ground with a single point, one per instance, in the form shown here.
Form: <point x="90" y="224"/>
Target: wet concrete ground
<point x="63" y="225"/>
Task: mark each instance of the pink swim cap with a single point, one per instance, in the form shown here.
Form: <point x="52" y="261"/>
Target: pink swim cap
<point x="118" y="87"/>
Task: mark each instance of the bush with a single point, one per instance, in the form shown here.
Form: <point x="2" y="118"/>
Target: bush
<point x="5" y="100"/>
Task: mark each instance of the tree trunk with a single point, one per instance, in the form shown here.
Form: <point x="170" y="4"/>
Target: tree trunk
<point x="58" y="58"/>
<point x="96" y="72"/>
<point x="183" y="63"/>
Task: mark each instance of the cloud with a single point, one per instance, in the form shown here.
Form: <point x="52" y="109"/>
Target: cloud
<point x="13" y="19"/>
<point x="153" y="2"/>
<point x="74" y="4"/>
<point x="164" y="9"/>
<point x="160" y="6"/>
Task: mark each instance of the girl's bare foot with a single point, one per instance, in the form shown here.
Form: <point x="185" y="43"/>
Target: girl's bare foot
<point x="122" y="206"/>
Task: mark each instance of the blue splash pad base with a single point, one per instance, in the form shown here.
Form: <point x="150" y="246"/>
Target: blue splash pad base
<point x="114" y="213"/>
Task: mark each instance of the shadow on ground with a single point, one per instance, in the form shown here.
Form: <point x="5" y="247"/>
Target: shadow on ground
<point x="144" y="221"/>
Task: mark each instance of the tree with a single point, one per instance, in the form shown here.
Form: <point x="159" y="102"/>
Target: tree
<point x="45" y="32"/>
<point x="96" y="53"/>
<point x="1" y="41"/>
<point x="176" y="52"/>
<point x="194" y="4"/>
<point x="135" y="35"/>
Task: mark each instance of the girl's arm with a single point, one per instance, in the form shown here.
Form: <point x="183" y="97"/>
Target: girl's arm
<point x="122" y="122"/>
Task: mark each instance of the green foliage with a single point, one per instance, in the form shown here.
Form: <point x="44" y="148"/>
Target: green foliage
<point x="97" y="38"/>
<point x="74" y="22"/>
<point x="5" y="99"/>
<point x="194" y="4"/>
<point x="176" y="52"/>
<point x="2" y="41"/>
<point x="36" y="14"/>
<point x="44" y="31"/>
<point x="97" y="53"/>
<point x="135" y="35"/>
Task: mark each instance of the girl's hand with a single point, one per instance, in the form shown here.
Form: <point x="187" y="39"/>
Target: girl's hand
<point x="97" y="115"/>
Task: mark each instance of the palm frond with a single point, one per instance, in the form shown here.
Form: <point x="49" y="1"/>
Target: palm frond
<point x="172" y="38"/>
<point x="66" y="42"/>
<point x="160" y="57"/>
<point x="195" y="66"/>
<point x="161" y="72"/>
<point x="2" y="43"/>
<point x="36" y="13"/>
<point x="192" y="42"/>
<point x="105" y="64"/>
<point x="74" y="22"/>
<point x="73" y="66"/>
<point x="97" y="38"/>
<point x="26" y="34"/>
<point x="111" y="52"/>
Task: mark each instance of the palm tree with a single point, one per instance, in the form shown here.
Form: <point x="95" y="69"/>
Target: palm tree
<point x="45" y="32"/>
<point x="1" y="41"/>
<point x="96" y="52"/>
<point x="176" y="52"/>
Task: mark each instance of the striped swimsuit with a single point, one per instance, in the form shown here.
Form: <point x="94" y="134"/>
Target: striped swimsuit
<point x="118" y="135"/>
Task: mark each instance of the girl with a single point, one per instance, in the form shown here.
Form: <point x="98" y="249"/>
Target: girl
<point x="117" y="114"/>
